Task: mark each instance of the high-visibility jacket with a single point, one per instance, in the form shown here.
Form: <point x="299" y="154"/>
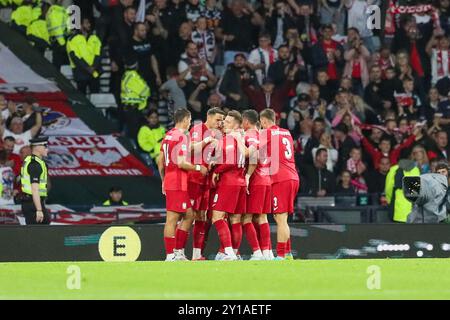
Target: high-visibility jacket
<point x="38" y="29"/>
<point x="108" y="203"/>
<point x="57" y="19"/>
<point x="25" y="178"/>
<point x="5" y="3"/>
<point x="134" y="90"/>
<point x="394" y="192"/>
<point x="84" y="49"/>
<point x="150" y="139"/>
<point x="24" y="15"/>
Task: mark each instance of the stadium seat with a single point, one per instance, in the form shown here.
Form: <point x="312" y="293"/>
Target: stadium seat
<point x="103" y="101"/>
<point x="343" y="215"/>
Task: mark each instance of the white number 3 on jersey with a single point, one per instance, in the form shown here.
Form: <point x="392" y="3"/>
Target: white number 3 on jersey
<point x="287" y="144"/>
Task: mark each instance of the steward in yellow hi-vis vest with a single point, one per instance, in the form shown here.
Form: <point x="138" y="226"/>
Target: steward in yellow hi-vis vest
<point x="399" y="206"/>
<point x="134" y="96"/>
<point x="37" y="32"/>
<point x="84" y="51"/>
<point x="57" y="21"/>
<point x="34" y="181"/>
<point x="24" y="15"/>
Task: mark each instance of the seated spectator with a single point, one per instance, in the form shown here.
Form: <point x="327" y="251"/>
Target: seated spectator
<point x="344" y="144"/>
<point x="279" y="70"/>
<point x="325" y="143"/>
<point x="301" y="111"/>
<point x="231" y="83"/>
<point x="115" y="198"/>
<point x="345" y="187"/>
<point x="151" y="134"/>
<point x="408" y="101"/>
<point x="22" y="138"/>
<point x="173" y="86"/>
<point x="441" y="150"/>
<point x="190" y="60"/>
<point x="356" y="167"/>
<point x="420" y="158"/>
<point x="376" y="178"/>
<point x="318" y="181"/>
<point x="267" y="96"/>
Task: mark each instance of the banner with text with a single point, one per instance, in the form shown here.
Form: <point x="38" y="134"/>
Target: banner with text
<point x="92" y="156"/>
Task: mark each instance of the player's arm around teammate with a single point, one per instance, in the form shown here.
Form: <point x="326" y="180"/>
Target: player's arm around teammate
<point x="173" y="166"/>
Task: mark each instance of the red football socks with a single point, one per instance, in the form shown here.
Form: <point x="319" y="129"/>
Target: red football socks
<point x="265" y="242"/>
<point x="236" y="235"/>
<point x="252" y="238"/>
<point x="181" y="239"/>
<point x="199" y="234"/>
<point x="281" y="249"/>
<point x="288" y="246"/>
<point x="224" y="233"/>
<point x="169" y="243"/>
<point x="257" y="229"/>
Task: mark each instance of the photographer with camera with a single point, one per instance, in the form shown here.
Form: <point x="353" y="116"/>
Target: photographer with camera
<point x="429" y="195"/>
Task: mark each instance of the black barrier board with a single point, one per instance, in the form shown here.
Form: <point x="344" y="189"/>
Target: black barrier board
<point x="144" y="243"/>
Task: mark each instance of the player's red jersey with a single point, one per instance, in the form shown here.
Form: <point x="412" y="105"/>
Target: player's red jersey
<point x="280" y="148"/>
<point x="232" y="163"/>
<point x="175" y="143"/>
<point x="198" y="133"/>
<point x="261" y="176"/>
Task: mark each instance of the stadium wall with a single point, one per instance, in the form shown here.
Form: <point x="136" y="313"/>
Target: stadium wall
<point x="144" y="242"/>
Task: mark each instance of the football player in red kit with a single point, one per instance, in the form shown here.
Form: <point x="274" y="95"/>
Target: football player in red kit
<point x="198" y="185"/>
<point x="285" y="180"/>
<point x="258" y="190"/>
<point x="230" y="195"/>
<point x="173" y="166"/>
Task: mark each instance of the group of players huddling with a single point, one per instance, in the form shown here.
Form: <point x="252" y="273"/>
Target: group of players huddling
<point x="230" y="172"/>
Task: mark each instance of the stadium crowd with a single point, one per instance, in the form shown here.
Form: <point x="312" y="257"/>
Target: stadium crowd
<point x="357" y="100"/>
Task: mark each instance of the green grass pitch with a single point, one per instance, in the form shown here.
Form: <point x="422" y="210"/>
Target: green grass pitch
<point x="299" y="279"/>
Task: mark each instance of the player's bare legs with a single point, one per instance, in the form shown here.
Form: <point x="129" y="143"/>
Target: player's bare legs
<point x="218" y="219"/>
<point x="264" y="231"/>
<point x="169" y="234"/>
<point x="252" y="237"/>
<point x="283" y="233"/>
<point x="199" y="234"/>
<point x="236" y="232"/>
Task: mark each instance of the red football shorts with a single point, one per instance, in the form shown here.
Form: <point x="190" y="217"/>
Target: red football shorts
<point x="230" y="199"/>
<point x="199" y="195"/>
<point x="259" y="201"/>
<point x="177" y="201"/>
<point x="283" y="196"/>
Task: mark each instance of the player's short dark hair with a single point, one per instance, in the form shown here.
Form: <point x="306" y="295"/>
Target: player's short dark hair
<point x="268" y="114"/>
<point x="180" y="115"/>
<point x="251" y="115"/>
<point x="236" y="116"/>
<point x="216" y="110"/>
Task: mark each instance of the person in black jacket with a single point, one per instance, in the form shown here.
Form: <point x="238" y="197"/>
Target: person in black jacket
<point x="231" y="84"/>
<point x="318" y="181"/>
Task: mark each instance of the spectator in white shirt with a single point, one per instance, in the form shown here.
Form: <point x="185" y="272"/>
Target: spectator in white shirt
<point x="262" y="57"/>
<point x="15" y="130"/>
